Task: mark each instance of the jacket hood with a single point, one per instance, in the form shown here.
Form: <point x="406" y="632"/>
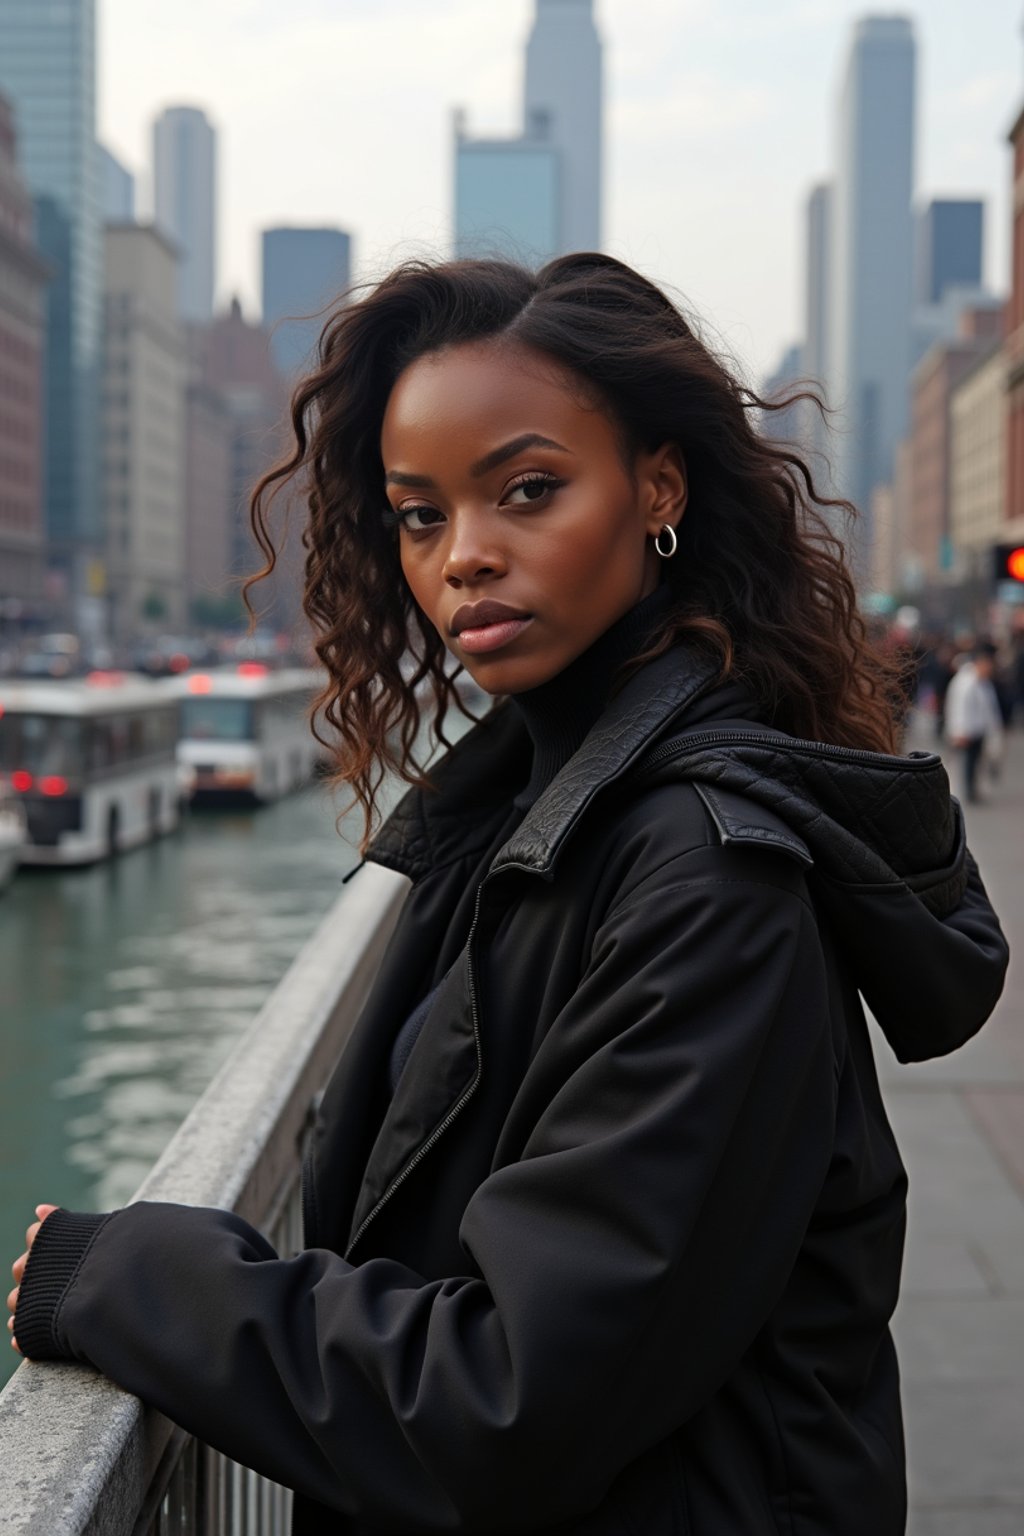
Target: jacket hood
<point x="884" y="845"/>
<point x="880" y="836"/>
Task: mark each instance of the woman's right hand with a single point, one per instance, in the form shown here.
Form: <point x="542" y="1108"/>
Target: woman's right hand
<point x="18" y="1267"/>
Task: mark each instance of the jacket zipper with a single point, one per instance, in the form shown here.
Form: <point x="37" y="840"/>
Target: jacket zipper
<point x="306" y="1190"/>
<point x="680" y="746"/>
<point x="456" y="1108"/>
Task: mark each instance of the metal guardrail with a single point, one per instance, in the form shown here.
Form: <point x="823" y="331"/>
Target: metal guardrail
<point x="79" y="1457"/>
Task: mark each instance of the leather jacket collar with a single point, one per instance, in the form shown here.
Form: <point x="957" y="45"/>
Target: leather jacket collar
<point x="489" y="765"/>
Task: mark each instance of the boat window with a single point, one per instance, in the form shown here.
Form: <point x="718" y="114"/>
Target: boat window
<point x="41" y="745"/>
<point x="205" y="718"/>
<point x="161" y="731"/>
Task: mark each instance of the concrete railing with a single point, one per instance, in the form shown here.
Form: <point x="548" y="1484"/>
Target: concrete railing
<point x="79" y="1457"/>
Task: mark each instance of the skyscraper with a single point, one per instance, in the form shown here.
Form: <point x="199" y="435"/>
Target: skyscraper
<point x="816" y="298"/>
<point x="817" y="320"/>
<point x="784" y="426"/>
<point x="304" y="270"/>
<point x="184" y="183"/>
<point x="947" y="271"/>
<point x="869" y="337"/>
<point x="232" y="358"/>
<point x="507" y="199"/>
<point x="564" y="92"/>
<point x="144" y="432"/>
<point x="117" y="189"/>
<point x="948" y="248"/>
<point x="48" y="71"/>
<point x="22" y="308"/>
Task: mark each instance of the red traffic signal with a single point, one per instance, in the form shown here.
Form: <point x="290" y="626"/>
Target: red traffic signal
<point x="1009" y="562"/>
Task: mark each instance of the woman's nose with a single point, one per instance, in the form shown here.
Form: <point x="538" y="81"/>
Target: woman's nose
<point x="472" y="556"/>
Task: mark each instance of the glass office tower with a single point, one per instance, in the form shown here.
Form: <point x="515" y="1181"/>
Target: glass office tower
<point x="304" y="272"/>
<point x="48" y="70"/>
<point x="185" y="198"/>
<point x="506" y="198"/>
<point x="871" y="260"/>
<point x="948" y="253"/>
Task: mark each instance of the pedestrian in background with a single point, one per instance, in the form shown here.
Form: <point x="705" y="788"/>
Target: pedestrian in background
<point x="936" y="675"/>
<point x="974" y="720"/>
<point x="1017" y="673"/>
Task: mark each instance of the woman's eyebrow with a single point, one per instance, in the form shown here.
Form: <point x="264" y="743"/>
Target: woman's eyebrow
<point x="399" y="477"/>
<point x="482" y="466"/>
<point x="509" y="450"/>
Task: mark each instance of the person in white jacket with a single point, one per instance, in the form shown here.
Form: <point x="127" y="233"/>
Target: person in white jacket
<point x="974" y="723"/>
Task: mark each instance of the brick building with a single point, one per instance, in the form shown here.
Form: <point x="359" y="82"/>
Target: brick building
<point x="928" y="533"/>
<point x="1015" y="336"/>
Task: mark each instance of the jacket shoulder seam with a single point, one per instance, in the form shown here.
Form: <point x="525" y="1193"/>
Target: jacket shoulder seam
<point x="750" y="882"/>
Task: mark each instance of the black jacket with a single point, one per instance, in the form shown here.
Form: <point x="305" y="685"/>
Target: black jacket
<point x="620" y="1254"/>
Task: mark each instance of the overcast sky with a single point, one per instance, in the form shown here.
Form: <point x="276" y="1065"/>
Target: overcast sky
<point x="719" y="119"/>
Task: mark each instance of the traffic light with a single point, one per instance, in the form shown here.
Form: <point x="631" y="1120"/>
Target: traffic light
<point x="1008" y="562"/>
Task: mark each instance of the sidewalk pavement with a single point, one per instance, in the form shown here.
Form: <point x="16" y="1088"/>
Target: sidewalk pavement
<point x="960" y="1125"/>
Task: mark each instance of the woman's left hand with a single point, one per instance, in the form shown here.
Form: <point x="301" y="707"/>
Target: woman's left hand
<point x="18" y="1267"/>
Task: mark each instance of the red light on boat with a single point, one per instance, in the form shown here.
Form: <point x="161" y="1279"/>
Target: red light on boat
<point x="200" y="683"/>
<point x="53" y="785"/>
<point x="252" y="669"/>
<point x="20" y="780"/>
<point x="104" y="678"/>
<point x="179" y="662"/>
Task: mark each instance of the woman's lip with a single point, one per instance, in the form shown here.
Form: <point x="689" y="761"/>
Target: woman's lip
<point x="490" y="637"/>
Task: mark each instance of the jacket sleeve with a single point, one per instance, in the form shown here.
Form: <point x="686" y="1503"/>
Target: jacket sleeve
<point x="615" y="1275"/>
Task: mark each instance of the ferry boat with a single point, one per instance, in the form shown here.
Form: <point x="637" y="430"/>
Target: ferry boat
<point x="92" y="763"/>
<point x="244" y="731"/>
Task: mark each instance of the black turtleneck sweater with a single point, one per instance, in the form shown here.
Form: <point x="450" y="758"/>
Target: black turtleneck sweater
<point x="558" y="716"/>
<point x="561" y="712"/>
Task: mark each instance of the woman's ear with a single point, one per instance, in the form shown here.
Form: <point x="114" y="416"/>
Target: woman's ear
<point x="664" y="480"/>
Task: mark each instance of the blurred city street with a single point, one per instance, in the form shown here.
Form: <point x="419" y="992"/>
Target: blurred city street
<point x="960" y="1324"/>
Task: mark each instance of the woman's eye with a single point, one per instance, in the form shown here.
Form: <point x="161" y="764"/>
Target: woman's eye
<point x="418" y="518"/>
<point x="533" y="488"/>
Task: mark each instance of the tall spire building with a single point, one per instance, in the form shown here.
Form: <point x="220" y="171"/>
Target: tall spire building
<point x="871" y="259"/>
<point x="564" y="98"/>
<point x="872" y="251"/>
<point x="184" y="184"/>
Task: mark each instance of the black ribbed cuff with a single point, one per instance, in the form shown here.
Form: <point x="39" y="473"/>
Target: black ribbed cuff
<point x="60" y="1246"/>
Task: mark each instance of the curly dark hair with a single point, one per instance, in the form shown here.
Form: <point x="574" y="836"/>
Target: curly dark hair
<point x="761" y="577"/>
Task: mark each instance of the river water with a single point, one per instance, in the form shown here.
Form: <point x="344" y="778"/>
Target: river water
<point x="124" y="986"/>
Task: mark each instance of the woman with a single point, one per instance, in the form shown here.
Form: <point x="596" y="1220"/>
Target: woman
<point x="604" y="1215"/>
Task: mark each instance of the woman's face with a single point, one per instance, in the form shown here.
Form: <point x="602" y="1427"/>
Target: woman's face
<point x="523" y="534"/>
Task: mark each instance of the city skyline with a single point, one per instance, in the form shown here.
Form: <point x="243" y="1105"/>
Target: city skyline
<point x="677" y="76"/>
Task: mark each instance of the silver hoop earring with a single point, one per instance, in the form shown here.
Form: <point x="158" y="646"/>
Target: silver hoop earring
<point x="666" y="554"/>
